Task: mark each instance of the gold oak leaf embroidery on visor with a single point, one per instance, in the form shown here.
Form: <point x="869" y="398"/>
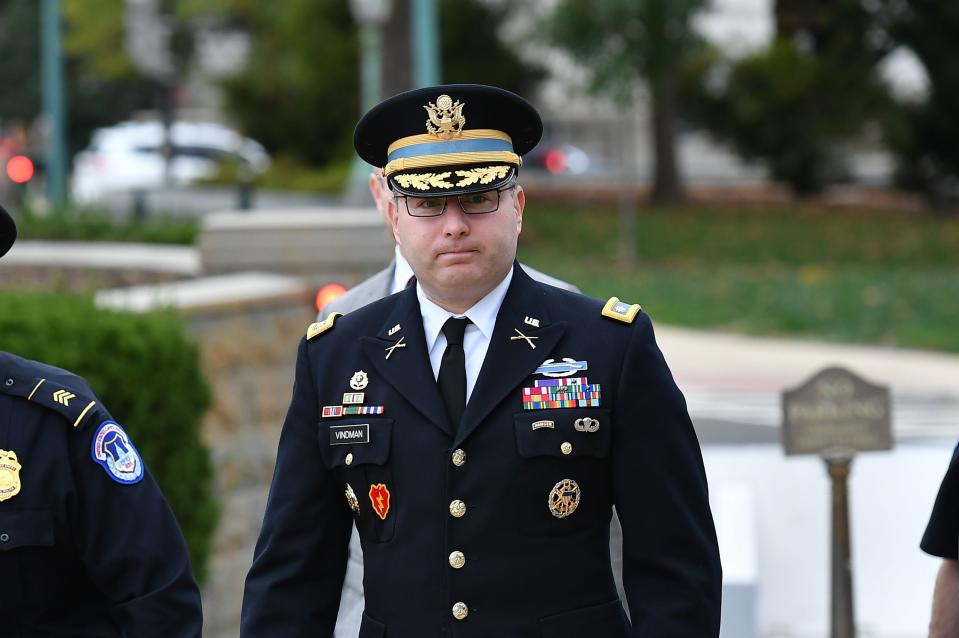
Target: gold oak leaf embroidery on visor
<point x="482" y="175"/>
<point x="423" y="181"/>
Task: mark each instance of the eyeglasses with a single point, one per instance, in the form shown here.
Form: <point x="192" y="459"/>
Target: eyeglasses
<point x="470" y="203"/>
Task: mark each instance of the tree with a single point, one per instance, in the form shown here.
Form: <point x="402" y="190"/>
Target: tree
<point x="815" y="88"/>
<point x="299" y="92"/>
<point x="625" y="42"/>
<point x="926" y="133"/>
<point x="94" y="98"/>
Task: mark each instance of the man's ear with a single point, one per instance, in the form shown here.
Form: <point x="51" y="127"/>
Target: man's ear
<point x="392" y="216"/>
<point x="519" y="205"/>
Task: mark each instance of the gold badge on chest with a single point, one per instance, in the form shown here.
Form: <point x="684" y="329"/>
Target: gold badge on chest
<point x="564" y="498"/>
<point x="9" y="475"/>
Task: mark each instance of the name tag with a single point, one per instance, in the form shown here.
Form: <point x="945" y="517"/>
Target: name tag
<point x="350" y="434"/>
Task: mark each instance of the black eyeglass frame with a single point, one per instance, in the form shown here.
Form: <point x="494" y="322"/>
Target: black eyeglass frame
<point x="506" y="187"/>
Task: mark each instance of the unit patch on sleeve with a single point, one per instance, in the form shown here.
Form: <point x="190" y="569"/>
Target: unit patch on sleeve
<point x="112" y="449"/>
<point x="348" y="434"/>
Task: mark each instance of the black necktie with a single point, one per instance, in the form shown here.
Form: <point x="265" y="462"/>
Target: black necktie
<point x="452" y="377"/>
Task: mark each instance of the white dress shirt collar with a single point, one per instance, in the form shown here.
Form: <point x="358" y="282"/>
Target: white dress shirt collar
<point x="482" y="314"/>
<point x="478" y="334"/>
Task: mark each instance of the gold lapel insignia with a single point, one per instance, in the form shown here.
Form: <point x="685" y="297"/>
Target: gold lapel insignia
<point x="9" y="475"/>
<point x="359" y="380"/>
<point x="446" y="118"/>
<point x="519" y="335"/>
<point x="564" y="498"/>
<point x="393" y="330"/>
<point x="531" y="321"/>
<point x="398" y="344"/>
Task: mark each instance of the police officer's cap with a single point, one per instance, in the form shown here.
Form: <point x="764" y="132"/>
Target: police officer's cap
<point x="8" y="231"/>
<point x="448" y="140"/>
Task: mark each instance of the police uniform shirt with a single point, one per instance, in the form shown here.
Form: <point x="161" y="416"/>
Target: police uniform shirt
<point x="88" y="545"/>
<point x="501" y="529"/>
<point x="942" y="533"/>
<point x="476" y="339"/>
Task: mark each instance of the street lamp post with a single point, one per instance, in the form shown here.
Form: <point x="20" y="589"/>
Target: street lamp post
<point x="370" y="15"/>
<point x="54" y="104"/>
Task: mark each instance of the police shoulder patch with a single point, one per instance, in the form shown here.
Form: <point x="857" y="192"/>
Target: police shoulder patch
<point x="318" y="328"/>
<point x="621" y="311"/>
<point x="114" y="452"/>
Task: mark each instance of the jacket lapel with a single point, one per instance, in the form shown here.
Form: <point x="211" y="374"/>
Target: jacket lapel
<point x="511" y="358"/>
<point x="408" y="367"/>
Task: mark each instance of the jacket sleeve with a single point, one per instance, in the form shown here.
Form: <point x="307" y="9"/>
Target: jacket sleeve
<point x="132" y="547"/>
<point x="293" y="588"/>
<point x="942" y="532"/>
<point x="671" y="566"/>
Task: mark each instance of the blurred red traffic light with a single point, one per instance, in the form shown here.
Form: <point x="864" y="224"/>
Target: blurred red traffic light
<point x="327" y="294"/>
<point x="20" y="169"/>
<point x="556" y="161"/>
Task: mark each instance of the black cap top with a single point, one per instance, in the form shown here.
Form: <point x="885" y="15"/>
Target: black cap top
<point x="8" y="231"/>
<point x="450" y="139"/>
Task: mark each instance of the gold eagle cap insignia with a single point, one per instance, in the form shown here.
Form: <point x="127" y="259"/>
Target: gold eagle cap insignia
<point x="446" y="117"/>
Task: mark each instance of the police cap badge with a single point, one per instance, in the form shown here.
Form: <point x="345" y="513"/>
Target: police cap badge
<point x="448" y="140"/>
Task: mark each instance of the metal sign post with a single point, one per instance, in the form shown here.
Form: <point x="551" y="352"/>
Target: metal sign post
<point x="834" y="415"/>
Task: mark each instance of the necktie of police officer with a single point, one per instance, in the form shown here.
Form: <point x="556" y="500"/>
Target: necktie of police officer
<point x="452" y="376"/>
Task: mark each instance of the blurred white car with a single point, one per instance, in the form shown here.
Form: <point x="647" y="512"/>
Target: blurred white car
<point x="128" y="157"/>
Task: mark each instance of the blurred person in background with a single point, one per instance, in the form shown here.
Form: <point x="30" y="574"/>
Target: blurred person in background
<point x="88" y="544"/>
<point x="454" y="425"/>
<point x="941" y="539"/>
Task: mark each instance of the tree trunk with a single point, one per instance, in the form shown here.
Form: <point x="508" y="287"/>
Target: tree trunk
<point x="397" y="56"/>
<point x="667" y="183"/>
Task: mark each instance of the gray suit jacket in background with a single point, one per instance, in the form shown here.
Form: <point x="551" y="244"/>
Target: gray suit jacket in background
<point x="351" y="600"/>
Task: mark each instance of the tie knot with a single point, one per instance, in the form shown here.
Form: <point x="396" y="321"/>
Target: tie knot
<point x="454" y="328"/>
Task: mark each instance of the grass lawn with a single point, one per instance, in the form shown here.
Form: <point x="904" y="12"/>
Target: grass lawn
<point x="889" y="279"/>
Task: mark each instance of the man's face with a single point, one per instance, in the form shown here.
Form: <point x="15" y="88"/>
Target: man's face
<point x="458" y="258"/>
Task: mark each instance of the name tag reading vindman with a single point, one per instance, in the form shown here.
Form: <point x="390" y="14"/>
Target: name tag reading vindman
<point x="350" y="434"/>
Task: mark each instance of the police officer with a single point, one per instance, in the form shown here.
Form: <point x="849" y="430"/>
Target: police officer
<point x="941" y="539"/>
<point x="479" y="427"/>
<point x="88" y="544"/>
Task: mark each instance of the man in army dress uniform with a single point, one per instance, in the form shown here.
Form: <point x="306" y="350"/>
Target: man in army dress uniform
<point x="395" y="277"/>
<point x="479" y="427"/>
<point x="88" y="545"/>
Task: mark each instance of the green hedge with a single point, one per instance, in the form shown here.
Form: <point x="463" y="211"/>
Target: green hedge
<point x="147" y="372"/>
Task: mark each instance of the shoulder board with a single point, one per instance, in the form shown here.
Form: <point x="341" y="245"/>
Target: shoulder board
<point x="73" y="402"/>
<point x="620" y="311"/>
<point x="318" y="328"/>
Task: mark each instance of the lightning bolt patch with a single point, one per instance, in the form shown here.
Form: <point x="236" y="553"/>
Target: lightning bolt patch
<point x="380" y="499"/>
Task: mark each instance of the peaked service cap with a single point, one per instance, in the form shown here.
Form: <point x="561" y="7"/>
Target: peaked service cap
<point x="449" y="139"/>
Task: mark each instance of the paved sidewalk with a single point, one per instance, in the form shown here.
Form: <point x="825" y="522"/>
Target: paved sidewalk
<point x="733" y="383"/>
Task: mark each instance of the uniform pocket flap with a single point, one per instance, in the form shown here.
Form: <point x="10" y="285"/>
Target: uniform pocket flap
<point x="359" y="441"/>
<point x="26" y="528"/>
<point x="607" y="620"/>
<point x="565" y="432"/>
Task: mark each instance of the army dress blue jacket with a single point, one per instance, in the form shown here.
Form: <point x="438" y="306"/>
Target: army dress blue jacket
<point x="89" y="547"/>
<point x="501" y="529"/>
